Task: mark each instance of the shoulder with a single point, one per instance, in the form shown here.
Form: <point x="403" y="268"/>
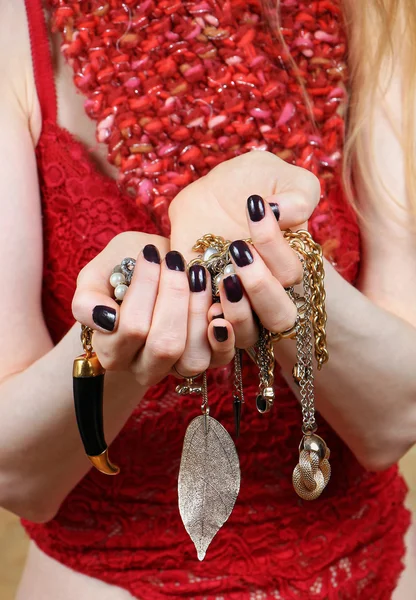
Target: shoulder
<point x="18" y="89"/>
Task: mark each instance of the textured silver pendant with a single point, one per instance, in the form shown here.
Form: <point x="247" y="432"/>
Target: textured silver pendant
<point x="209" y="480"/>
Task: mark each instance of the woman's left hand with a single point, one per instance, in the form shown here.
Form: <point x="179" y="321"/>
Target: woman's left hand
<point x="217" y="203"/>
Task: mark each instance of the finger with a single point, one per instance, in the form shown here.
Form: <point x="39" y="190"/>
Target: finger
<point x="266" y="294"/>
<point x="215" y="311"/>
<point x="197" y="354"/>
<point x="270" y="243"/>
<point x="237" y="311"/>
<point x="118" y="350"/>
<point x="93" y="303"/>
<point x="166" y="340"/>
<point x="222" y="342"/>
<point x="297" y="198"/>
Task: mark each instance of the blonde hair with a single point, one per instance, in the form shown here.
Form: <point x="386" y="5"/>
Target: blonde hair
<point x="381" y="36"/>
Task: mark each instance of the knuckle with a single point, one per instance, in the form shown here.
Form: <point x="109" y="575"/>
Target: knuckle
<point x="108" y="360"/>
<point x="178" y="287"/>
<point x="193" y="365"/>
<point x="137" y="331"/>
<point x="255" y="285"/>
<point x="266" y="235"/>
<point x="76" y="306"/>
<point x="150" y="277"/>
<point x="304" y="208"/>
<point x="240" y="320"/>
<point x="284" y="321"/>
<point x="292" y="275"/>
<point x="198" y="311"/>
<point x="312" y="190"/>
<point x="166" y="349"/>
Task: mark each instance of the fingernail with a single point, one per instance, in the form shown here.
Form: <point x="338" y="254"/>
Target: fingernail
<point x="104" y="317"/>
<point x="220" y="316"/>
<point x="220" y="333"/>
<point x="197" y="278"/>
<point x="233" y="288"/>
<point x="255" y="206"/>
<point x="275" y="208"/>
<point x="174" y="261"/>
<point x="151" y="254"/>
<point x="241" y="253"/>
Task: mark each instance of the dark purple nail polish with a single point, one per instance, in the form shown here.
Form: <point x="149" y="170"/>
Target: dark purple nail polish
<point x="174" y="261"/>
<point x="220" y="316"/>
<point x="197" y="278"/>
<point x="233" y="288"/>
<point x="104" y="317"/>
<point x="255" y="207"/>
<point x="275" y="208"/>
<point x="241" y="253"/>
<point x="151" y="254"/>
<point x="220" y="333"/>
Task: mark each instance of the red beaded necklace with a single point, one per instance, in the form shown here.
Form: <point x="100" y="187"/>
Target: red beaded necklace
<point x="179" y="86"/>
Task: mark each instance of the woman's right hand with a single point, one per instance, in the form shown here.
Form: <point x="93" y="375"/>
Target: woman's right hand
<point x="163" y="319"/>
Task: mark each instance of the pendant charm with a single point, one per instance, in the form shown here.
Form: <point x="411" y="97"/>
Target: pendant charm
<point x="88" y="389"/>
<point x="209" y="480"/>
<point x="188" y="388"/>
<point x="313" y="471"/>
<point x="264" y="358"/>
<point x="264" y="401"/>
<point x="237" y="415"/>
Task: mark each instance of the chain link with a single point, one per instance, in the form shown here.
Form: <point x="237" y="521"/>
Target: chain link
<point x="86" y="339"/>
<point x="303" y="243"/>
<point x="238" y="376"/>
<point x="265" y="358"/>
<point x="304" y="349"/>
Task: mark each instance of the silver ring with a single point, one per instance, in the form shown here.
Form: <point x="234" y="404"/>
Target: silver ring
<point x="120" y="277"/>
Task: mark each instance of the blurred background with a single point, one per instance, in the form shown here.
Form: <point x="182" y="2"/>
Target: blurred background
<point x="13" y="541"/>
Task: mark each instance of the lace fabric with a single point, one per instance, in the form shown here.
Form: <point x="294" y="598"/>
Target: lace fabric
<point x="127" y="530"/>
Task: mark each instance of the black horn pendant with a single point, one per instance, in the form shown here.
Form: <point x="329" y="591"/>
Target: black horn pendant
<point x="88" y="380"/>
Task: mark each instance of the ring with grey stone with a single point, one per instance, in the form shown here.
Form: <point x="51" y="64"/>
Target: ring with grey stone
<point x="120" y="277"/>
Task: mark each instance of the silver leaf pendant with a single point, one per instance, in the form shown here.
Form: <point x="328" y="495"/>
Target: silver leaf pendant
<point x="209" y="480"/>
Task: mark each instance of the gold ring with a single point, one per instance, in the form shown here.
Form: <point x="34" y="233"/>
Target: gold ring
<point x="289" y="334"/>
<point x="187" y="377"/>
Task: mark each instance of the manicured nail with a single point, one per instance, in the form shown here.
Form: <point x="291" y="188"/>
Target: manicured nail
<point x="233" y="288"/>
<point x="255" y="206"/>
<point x="220" y="316"/>
<point x="241" y="253"/>
<point x="174" y="261"/>
<point x="151" y="254"/>
<point x="197" y="278"/>
<point x="220" y="333"/>
<point x="104" y="317"/>
<point x="275" y="209"/>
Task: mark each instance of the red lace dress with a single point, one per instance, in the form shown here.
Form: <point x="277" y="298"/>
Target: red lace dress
<point x="127" y="530"/>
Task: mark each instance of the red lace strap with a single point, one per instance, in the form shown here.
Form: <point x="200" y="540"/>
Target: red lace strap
<point x="42" y="61"/>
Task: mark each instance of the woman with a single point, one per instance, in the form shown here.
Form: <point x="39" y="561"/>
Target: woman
<point x="122" y="537"/>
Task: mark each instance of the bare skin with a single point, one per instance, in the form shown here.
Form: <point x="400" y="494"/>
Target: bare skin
<point x="44" y="578"/>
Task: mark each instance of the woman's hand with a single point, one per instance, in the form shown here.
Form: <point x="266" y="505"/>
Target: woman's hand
<point x="216" y="203"/>
<point x="162" y="320"/>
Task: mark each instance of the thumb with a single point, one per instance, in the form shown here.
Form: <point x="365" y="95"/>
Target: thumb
<point x="295" y="208"/>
